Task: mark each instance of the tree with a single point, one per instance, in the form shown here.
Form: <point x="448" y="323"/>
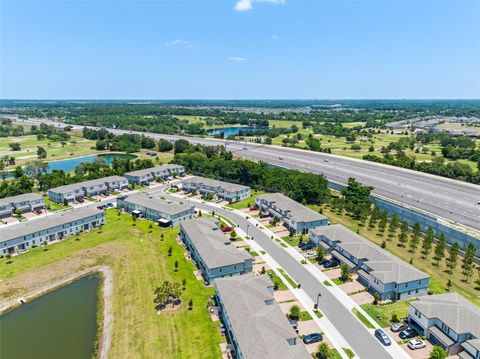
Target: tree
<point x="14" y="146"/>
<point x="440" y="249"/>
<point x="323" y="351"/>
<point x="167" y="293"/>
<point x="294" y="312"/>
<point x="176" y="266"/>
<point x="468" y="261"/>
<point x="453" y="257"/>
<point x="383" y="221"/>
<point x="427" y="243"/>
<point x="415" y="239"/>
<point x="170" y="251"/>
<point x="34" y="169"/>
<point x="403" y="238"/>
<point x="392" y="228"/>
<point x="320" y="254"/>
<point x="41" y="152"/>
<point x="190" y="304"/>
<point x="164" y="145"/>
<point x="357" y="198"/>
<point x="181" y="146"/>
<point x="345" y="272"/>
<point x="437" y="353"/>
<point x="376" y="298"/>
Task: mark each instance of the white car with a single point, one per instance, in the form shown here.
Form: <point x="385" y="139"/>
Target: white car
<point x="416" y="344"/>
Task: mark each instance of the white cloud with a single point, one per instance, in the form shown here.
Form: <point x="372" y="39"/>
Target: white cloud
<point x="237" y="58"/>
<point x="180" y="42"/>
<point x="245" y="5"/>
<point x="275" y="37"/>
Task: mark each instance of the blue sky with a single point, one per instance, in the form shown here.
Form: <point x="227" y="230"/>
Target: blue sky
<point x="227" y="49"/>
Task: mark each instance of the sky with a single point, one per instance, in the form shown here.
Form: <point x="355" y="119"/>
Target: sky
<point x="240" y="49"/>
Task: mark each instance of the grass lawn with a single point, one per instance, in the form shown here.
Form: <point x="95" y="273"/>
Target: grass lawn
<point x="287" y="277"/>
<point x="327" y="283"/>
<point x="276" y="280"/>
<point x="438" y="275"/>
<point x="247" y="202"/>
<point x="52" y="206"/>
<point x="304" y="316"/>
<point x="338" y="281"/>
<point x="140" y="263"/>
<point x="362" y="318"/>
<point x="293" y="241"/>
<point x="349" y="353"/>
<point x="383" y="314"/>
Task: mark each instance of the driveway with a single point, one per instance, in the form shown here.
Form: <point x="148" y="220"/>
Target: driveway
<point x="352" y="287"/>
<point x="362" y="298"/>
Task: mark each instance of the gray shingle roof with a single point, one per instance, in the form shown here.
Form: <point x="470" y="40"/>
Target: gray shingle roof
<point x="227" y="186"/>
<point x="385" y="267"/>
<point x="95" y="182"/>
<point x="157" y="204"/>
<point x="150" y="170"/>
<point x="298" y="212"/>
<point x="261" y="330"/>
<point x="40" y="224"/>
<point x="213" y="246"/>
<point x="453" y="310"/>
<point x="20" y="198"/>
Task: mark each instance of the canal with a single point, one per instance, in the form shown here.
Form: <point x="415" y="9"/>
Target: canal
<point x="59" y="324"/>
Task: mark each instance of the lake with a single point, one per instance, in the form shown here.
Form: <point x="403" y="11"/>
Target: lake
<point x="227" y="131"/>
<point x="69" y="164"/>
<point x="59" y="324"/>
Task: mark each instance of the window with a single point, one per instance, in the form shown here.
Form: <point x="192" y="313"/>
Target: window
<point x="417" y="313"/>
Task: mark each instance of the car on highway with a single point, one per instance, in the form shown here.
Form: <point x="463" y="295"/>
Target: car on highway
<point x="416" y="344"/>
<point x="330" y="264"/>
<point x="408" y="333"/>
<point x="280" y="158"/>
<point x="226" y="229"/>
<point x="312" y="338"/>
<point x="382" y="337"/>
<point x="398" y="327"/>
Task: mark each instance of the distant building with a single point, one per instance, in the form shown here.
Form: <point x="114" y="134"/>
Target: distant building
<point x="449" y="321"/>
<point x="78" y="191"/>
<point x="230" y="192"/>
<point x="20" y="237"/>
<point x="295" y="217"/>
<point x="212" y="251"/>
<point x="156" y="209"/>
<point x="254" y="324"/>
<point x="382" y="272"/>
<point x="147" y="175"/>
<point x="28" y="202"/>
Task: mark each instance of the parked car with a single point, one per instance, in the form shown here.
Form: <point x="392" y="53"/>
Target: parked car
<point x="101" y="206"/>
<point x="109" y="204"/>
<point x="408" y="333"/>
<point x="226" y="229"/>
<point x="38" y="211"/>
<point x="383" y="337"/>
<point x="398" y="327"/>
<point x="330" y="264"/>
<point x="416" y="344"/>
<point x="307" y="246"/>
<point x="253" y="208"/>
<point x="312" y="338"/>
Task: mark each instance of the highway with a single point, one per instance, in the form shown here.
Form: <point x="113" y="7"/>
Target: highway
<point x="444" y="198"/>
<point x="361" y="341"/>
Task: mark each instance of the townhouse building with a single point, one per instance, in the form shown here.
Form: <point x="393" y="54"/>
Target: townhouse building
<point x="380" y="271"/>
<point x="78" y="191"/>
<point x="212" y="251"/>
<point x="20" y="237"/>
<point x="156" y="209"/>
<point x="254" y="324"/>
<point x="28" y="202"/>
<point x="449" y="321"/>
<point x="147" y="175"/>
<point x="230" y="192"/>
<point x="295" y="216"/>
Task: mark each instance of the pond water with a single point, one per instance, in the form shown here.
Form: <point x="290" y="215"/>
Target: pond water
<point x="59" y="324"/>
<point x="227" y="131"/>
<point x="69" y="164"/>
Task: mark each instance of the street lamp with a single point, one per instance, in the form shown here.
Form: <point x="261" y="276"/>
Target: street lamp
<point x="315" y="306"/>
<point x="248" y="226"/>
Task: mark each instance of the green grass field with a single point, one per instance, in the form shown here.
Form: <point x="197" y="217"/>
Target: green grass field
<point x="362" y="318"/>
<point x="383" y="314"/>
<point x="247" y="202"/>
<point x="138" y="331"/>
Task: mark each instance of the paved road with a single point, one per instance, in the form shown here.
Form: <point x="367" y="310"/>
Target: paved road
<point x="362" y="342"/>
<point x="442" y="197"/>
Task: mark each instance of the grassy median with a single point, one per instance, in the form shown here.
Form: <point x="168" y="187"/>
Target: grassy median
<point x="138" y="256"/>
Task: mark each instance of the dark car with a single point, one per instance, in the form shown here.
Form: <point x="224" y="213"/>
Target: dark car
<point x="312" y="338"/>
<point x="307" y="246"/>
<point x="109" y="204"/>
<point x="101" y="206"/>
<point x="408" y="333"/>
<point x="330" y="264"/>
<point x="383" y="337"/>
